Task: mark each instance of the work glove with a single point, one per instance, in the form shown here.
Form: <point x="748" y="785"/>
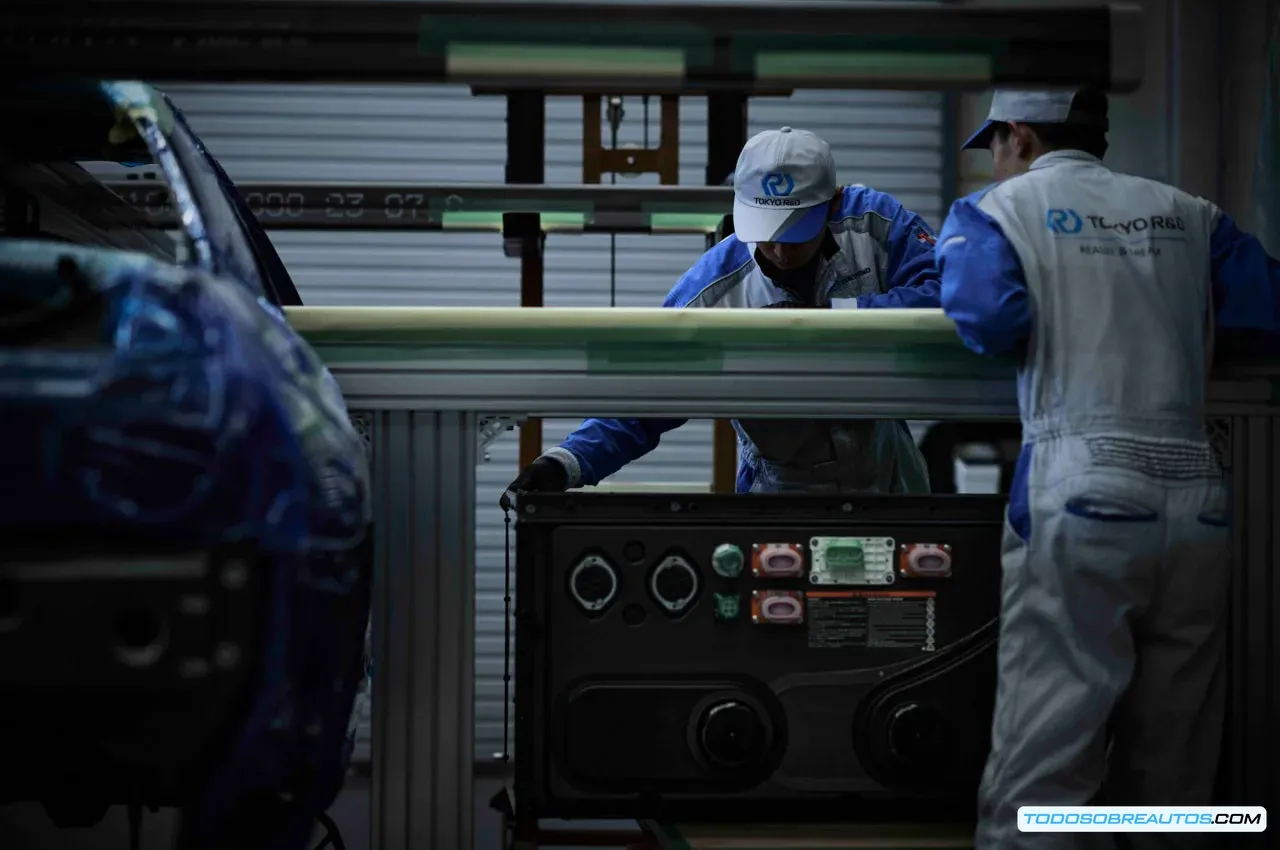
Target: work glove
<point x="544" y="475"/>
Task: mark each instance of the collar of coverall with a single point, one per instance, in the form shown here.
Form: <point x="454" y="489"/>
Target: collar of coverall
<point x="1057" y="157"/>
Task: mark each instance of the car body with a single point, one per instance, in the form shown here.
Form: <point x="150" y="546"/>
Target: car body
<point x="157" y="409"/>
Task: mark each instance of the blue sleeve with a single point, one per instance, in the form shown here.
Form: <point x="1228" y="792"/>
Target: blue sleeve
<point x="911" y="274"/>
<point x="603" y="446"/>
<point x="983" y="288"/>
<point x="1246" y="292"/>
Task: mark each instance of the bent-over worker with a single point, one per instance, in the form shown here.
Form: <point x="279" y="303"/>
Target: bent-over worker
<point x="800" y="240"/>
<point x="1110" y="289"/>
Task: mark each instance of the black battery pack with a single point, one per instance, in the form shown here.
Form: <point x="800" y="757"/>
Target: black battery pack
<point x="754" y="657"/>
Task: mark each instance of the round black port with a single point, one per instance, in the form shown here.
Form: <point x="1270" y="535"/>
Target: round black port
<point x="731" y="734"/>
<point x="633" y="551"/>
<point x="633" y="614"/>
<point x="674" y="584"/>
<point x="593" y="583"/>
<point x="138" y="636"/>
<point x="10" y="604"/>
<point x="917" y="733"/>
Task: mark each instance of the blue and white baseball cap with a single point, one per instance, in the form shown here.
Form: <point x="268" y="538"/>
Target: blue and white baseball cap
<point x="1082" y="107"/>
<point x="782" y="185"/>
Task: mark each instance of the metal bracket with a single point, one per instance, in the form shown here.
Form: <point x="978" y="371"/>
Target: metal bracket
<point x="597" y="160"/>
<point x="490" y="428"/>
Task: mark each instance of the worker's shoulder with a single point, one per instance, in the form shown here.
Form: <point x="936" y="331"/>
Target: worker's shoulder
<point x="721" y="265"/>
<point x="858" y="201"/>
<point x="1160" y="189"/>
<point x="1118" y="183"/>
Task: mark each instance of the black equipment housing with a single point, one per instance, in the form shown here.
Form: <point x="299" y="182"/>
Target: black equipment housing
<point x="870" y="708"/>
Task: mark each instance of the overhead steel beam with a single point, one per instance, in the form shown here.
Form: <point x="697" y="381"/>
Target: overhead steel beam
<point x="356" y="206"/>
<point x="615" y="45"/>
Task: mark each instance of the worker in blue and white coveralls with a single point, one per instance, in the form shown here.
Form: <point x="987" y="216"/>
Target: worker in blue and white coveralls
<point x="800" y="240"/>
<point x="1110" y="291"/>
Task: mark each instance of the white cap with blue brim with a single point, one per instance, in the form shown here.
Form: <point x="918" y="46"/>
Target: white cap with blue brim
<point x="1038" y="107"/>
<point x="782" y="187"/>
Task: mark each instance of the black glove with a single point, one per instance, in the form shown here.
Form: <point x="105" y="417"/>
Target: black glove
<point x="544" y="475"/>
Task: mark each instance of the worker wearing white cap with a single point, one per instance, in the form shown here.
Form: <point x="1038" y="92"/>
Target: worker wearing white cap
<point x="800" y="240"/>
<point x="1109" y="290"/>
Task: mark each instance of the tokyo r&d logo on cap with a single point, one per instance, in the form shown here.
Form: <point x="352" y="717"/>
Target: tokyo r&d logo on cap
<point x="782" y="185"/>
<point x="777" y="185"/>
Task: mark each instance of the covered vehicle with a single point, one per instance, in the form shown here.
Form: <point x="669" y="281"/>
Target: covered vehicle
<point x="184" y="549"/>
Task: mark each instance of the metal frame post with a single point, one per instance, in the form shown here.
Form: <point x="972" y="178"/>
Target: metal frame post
<point x="951" y="141"/>
<point x="424" y="629"/>
<point x="726" y="134"/>
<point x="522" y="232"/>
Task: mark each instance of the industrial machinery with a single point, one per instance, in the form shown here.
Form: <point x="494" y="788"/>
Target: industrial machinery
<point x="757" y="657"/>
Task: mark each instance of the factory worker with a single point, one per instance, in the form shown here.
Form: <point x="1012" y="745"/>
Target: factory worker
<point x="800" y="241"/>
<point x="1110" y="290"/>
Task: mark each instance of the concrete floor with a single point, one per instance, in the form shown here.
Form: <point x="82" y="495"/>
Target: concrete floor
<point x="25" y="827"/>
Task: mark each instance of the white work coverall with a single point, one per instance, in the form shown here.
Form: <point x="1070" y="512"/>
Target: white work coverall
<point x="1113" y="620"/>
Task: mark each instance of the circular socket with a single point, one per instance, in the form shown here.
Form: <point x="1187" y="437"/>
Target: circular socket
<point x="732" y="734"/>
<point x="674" y="584"/>
<point x="727" y="560"/>
<point x="917" y="733"/>
<point x="593" y="584"/>
<point x="139" y="637"/>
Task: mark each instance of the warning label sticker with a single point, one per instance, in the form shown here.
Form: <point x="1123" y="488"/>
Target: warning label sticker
<point x="871" y="619"/>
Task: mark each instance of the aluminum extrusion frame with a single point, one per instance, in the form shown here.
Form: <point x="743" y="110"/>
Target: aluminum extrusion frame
<point x="423" y="627"/>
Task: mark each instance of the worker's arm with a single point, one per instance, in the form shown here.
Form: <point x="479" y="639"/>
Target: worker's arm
<point x="1246" y="291"/>
<point x="983" y="288"/>
<point x="909" y="272"/>
<point x="600" y="447"/>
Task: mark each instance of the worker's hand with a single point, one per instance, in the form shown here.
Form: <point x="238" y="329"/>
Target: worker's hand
<point x="544" y="475"/>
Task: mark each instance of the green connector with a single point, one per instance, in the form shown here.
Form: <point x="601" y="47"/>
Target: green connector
<point x="727" y="560"/>
<point x="727" y="606"/>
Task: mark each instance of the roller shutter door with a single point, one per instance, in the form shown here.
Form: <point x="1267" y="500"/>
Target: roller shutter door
<point x="888" y="140"/>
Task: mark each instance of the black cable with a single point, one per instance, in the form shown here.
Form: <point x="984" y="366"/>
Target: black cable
<point x="506" y="634"/>
<point x="332" y="835"/>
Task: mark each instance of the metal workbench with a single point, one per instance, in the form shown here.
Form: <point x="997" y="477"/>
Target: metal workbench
<point x="419" y="379"/>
